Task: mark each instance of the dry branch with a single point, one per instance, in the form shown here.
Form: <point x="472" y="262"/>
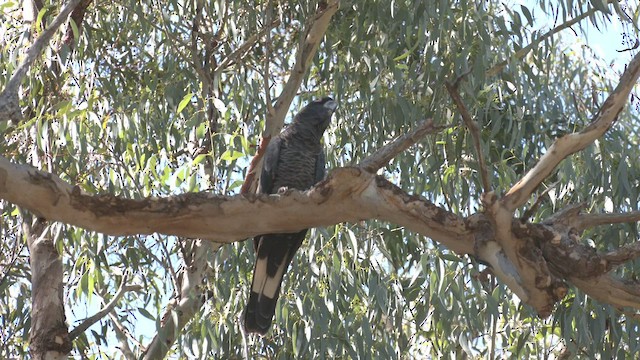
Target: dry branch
<point x="572" y="143"/>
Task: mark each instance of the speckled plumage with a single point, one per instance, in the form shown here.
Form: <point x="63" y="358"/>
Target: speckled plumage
<point x="295" y="160"/>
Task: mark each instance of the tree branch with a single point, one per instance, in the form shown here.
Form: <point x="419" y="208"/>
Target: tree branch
<point x="238" y="53"/>
<point x="587" y="221"/>
<point x="622" y="255"/>
<point x="267" y="60"/>
<point x="389" y="151"/>
<point x="188" y="303"/>
<point x="608" y="289"/>
<point x="494" y="70"/>
<point x="572" y="143"/>
<point x="77" y="16"/>
<point x="474" y="129"/>
<point x="306" y="52"/>
<point x="9" y="103"/>
<point x="569" y="258"/>
<point x="124" y="336"/>
<point x="105" y="310"/>
<point x="348" y="194"/>
<point x="275" y="119"/>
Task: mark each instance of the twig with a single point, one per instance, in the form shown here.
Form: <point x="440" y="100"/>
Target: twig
<point x="167" y="264"/>
<point x="15" y="254"/>
<point x="122" y="336"/>
<point x="105" y="310"/>
<point x="474" y="129"/>
<point x="494" y="70"/>
<point x="386" y="153"/>
<point x="242" y="49"/>
<point x="529" y="212"/>
<point x="124" y="331"/>
<point x="572" y="143"/>
<point x="267" y="58"/>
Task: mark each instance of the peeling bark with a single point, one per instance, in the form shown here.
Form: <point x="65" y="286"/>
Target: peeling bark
<point x="545" y="254"/>
<point x="348" y="194"/>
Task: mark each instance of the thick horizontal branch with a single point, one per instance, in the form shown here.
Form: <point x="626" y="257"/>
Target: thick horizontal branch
<point x="348" y="194"/>
<point x="572" y="143"/>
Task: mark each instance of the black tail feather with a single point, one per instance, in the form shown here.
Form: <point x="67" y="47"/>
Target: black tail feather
<point x="259" y="313"/>
<point x="274" y="254"/>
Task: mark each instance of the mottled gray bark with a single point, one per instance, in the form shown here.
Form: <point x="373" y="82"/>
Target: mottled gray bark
<point x="49" y="335"/>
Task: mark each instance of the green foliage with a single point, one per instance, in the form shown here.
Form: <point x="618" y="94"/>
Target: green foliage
<point x="125" y="112"/>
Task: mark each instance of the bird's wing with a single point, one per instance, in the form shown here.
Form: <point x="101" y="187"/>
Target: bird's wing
<point x="270" y="166"/>
<point x="320" y="164"/>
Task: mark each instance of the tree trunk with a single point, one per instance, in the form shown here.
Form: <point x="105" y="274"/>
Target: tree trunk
<point x="49" y="335"/>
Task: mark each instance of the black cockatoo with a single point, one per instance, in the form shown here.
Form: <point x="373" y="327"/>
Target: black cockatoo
<point x="295" y="160"/>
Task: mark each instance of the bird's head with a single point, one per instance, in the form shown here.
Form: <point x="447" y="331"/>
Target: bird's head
<point x="317" y="113"/>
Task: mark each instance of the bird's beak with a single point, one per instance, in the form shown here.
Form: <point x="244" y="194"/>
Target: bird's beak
<point x="331" y="105"/>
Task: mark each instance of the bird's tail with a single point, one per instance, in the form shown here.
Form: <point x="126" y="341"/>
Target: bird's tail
<point x="274" y="254"/>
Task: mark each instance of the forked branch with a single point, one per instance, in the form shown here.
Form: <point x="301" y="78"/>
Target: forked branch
<point x="572" y="143"/>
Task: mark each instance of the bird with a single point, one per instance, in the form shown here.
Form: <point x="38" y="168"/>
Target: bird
<point x="294" y="159"/>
